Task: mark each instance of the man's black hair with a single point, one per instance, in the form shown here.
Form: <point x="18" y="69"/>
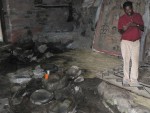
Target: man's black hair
<point x="127" y="3"/>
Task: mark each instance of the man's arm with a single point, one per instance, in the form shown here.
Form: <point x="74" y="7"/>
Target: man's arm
<point x="141" y="27"/>
<point x="140" y="23"/>
<point x="121" y="31"/>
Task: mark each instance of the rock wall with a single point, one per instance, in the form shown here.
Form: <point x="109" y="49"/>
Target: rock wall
<point x="41" y="19"/>
<point x="60" y="21"/>
<point x="146" y="35"/>
<point x="107" y="38"/>
<point x="107" y="32"/>
<point x="24" y="16"/>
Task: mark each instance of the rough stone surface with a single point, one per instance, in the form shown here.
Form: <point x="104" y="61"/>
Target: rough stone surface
<point x="22" y="17"/>
<point x="121" y="98"/>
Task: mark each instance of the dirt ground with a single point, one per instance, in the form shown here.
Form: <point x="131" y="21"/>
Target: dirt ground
<point x="88" y="60"/>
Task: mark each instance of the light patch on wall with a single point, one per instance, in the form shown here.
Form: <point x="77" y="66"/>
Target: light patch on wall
<point x="1" y="36"/>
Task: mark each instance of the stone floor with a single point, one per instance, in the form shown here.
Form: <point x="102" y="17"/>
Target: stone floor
<point x="90" y="63"/>
<point x="97" y="62"/>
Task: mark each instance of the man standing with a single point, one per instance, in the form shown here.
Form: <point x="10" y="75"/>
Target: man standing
<point x="130" y="25"/>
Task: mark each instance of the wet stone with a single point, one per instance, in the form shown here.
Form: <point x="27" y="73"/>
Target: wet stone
<point x="4" y="102"/>
<point x="61" y="107"/>
<point x="16" y="101"/>
<point x="41" y="96"/>
<point x="52" y="85"/>
<point x="15" y="87"/>
<point x="79" y="79"/>
<point x="73" y="72"/>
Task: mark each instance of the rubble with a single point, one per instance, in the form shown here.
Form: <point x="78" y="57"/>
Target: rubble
<point x="40" y="91"/>
<point x="72" y="92"/>
<point x="41" y="96"/>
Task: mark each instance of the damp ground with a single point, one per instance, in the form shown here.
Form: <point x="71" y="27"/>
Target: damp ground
<point x="88" y="61"/>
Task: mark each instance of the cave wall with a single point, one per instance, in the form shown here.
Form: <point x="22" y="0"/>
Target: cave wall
<point x="26" y="20"/>
<point x="50" y="20"/>
<point x="106" y="29"/>
<point x="18" y="18"/>
<point x="107" y="37"/>
<point x="23" y="16"/>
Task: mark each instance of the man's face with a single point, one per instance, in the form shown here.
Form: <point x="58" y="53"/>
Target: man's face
<point x="128" y="10"/>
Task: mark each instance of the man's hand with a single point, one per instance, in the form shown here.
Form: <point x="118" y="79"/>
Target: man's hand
<point x="141" y="27"/>
<point x="127" y="26"/>
<point x="133" y="24"/>
<point x="121" y="31"/>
